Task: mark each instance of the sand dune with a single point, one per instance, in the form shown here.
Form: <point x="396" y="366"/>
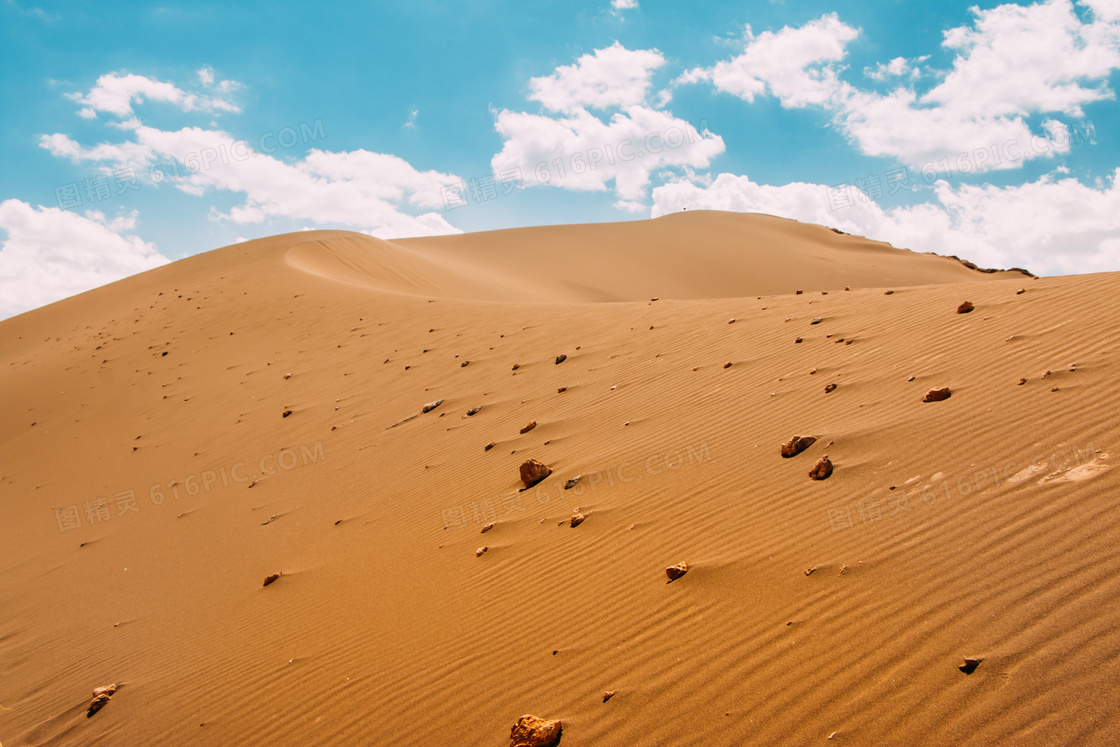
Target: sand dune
<point x="173" y="440"/>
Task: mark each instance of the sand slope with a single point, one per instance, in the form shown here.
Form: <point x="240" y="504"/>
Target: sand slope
<point x="1000" y="538"/>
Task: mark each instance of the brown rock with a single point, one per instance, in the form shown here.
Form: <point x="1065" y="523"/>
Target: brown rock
<point x="798" y="340"/>
<point x="888" y="293"/>
<point x="798" y="293"/>
<point x="101" y="696"/>
<point x="968" y="666"/>
<point x="105" y="690"/>
<point x="818" y="320"/>
<point x="479" y="551"/>
<point x="561" y="390"/>
<point x="464" y="364"/>
<point x="487" y="528"/>
<point x="531" y="731"/>
<point x="796" y="445"/>
<point x="727" y="365"/>
<point x="533" y="472"/>
<point x="489" y="446"/>
<point x="822" y="469"/>
<point x="829" y="388"/>
<point x="473" y="411"/>
<point x="1022" y="381"/>
<point x="572" y="482"/>
<point x="270" y="578"/>
<point x="936" y="395"/>
<point x="608" y="695"/>
<point x="1020" y="292"/>
<point x="560" y="359"/>
<point x="577" y="519"/>
<point x="965" y="307"/>
<point x="529" y="427"/>
<point x="431" y="406"/>
<point x="676" y="571"/>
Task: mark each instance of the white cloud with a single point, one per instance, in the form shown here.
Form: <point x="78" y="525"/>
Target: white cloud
<point x="630" y="206"/>
<point x="581" y="152"/>
<point x="1104" y="10"/>
<point x="577" y="150"/>
<point x="895" y="126"/>
<point x="50" y="254"/>
<point x="1018" y="59"/>
<point x="372" y="192"/>
<point x="610" y="77"/>
<point x="899" y="67"/>
<point x="1011" y="63"/>
<point x="377" y="193"/>
<point x="117" y="154"/>
<point x="115" y="94"/>
<point x="794" y="64"/>
<point x="1050" y="226"/>
<point x="624" y="4"/>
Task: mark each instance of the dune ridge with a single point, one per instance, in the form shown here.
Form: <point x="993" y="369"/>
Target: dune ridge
<point x="982" y="526"/>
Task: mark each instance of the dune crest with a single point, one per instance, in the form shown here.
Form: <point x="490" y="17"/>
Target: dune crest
<point x="693" y="255"/>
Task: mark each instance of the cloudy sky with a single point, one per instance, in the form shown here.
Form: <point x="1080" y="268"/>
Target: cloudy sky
<point x="139" y="133"/>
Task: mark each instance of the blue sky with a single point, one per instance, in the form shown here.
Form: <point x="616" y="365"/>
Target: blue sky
<point x="137" y="133"/>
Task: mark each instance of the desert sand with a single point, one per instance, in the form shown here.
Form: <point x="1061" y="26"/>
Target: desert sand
<point x="173" y="441"/>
